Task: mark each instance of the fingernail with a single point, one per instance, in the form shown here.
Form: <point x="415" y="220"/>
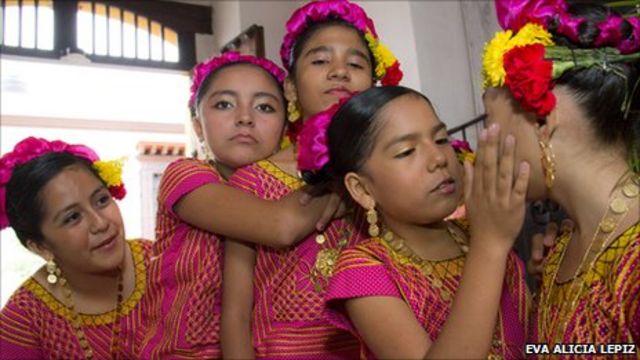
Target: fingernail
<point x="509" y="141"/>
<point x="494" y="129"/>
<point x="524" y="166"/>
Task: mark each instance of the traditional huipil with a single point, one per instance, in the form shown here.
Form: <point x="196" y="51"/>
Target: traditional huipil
<point x="290" y="283"/>
<point x="185" y="276"/>
<point x="379" y="268"/>
<point x="600" y="306"/>
<point x="36" y="325"/>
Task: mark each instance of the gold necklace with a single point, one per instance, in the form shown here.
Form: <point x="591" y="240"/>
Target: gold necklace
<point x="77" y="324"/>
<point x="428" y="267"/>
<point x="629" y="186"/>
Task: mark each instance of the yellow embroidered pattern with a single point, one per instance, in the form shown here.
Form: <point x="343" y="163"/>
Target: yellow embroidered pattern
<point x="62" y="310"/>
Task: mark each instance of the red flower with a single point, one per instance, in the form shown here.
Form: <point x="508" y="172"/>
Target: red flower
<point x="529" y="78"/>
<point x="393" y="75"/>
<point x="118" y="191"/>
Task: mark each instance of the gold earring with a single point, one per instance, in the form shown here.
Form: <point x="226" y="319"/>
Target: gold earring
<point x="293" y="112"/>
<point x="548" y="163"/>
<point x="372" y="219"/>
<point x="54" y="272"/>
<point x="205" y="151"/>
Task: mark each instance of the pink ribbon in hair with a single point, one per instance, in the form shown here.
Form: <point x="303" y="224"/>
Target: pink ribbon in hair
<point x="313" y="147"/>
<point x="514" y="14"/>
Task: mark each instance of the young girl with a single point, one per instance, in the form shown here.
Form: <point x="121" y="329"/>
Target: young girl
<point x="86" y="301"/>
<point x="332" y="50"/>
<point x="240" y="119"/>
<point x="578" y="123"/>
<point x="418" y="287"/>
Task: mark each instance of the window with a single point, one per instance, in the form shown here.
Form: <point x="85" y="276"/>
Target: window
<point x="143" y="33"/>
<point x="27" y="24"/>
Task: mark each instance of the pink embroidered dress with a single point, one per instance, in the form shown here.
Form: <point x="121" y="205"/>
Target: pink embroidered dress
<point x="289" y="283"/>
<point x="374" y="268"/>
<point x="607" y="308"/>
<point x="185" y="276"/>
<point x="35" y="325"/>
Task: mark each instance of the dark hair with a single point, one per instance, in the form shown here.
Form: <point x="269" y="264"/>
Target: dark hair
<point x="353" y="131"/>
<point x="602" y="93"/>
<point x="25" y="209"/>
<point x="204" y="86"/>
<point x="314" y="28"/>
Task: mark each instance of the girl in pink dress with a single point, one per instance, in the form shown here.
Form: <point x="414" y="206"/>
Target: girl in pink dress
<point x="331" y="50"/>
<point x="239" y="119"/>
<point x="86" y="302"/>
<point x="569" y="92"/>
<point x="420" y="286"/>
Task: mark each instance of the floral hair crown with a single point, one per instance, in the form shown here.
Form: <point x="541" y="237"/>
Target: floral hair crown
<point x="387" y="67"/>
<point x="526" y="60"/>
<point x="203" y="69"/>
<point x="31" y="148"/>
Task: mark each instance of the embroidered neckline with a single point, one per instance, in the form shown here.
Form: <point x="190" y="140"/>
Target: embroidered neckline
<point x="137" y="251"/>
<point x="620" y="243"/>
<point x="274" y="170"/>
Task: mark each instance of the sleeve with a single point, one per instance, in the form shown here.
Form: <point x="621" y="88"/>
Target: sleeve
<point x="628" y="287"/>
<point x="182" y="177"/>
<point x="358" y="273"/>
<point x="18" y="339"/>
<point x="247" y="179"/>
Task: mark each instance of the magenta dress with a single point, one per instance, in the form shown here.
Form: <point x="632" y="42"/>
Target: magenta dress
<point x="35" y="325"/>
<point x="374" y="268"/>
<point x="290" y="283"/>
<point x="185" y="275"/>
<point x="607" y="308"/>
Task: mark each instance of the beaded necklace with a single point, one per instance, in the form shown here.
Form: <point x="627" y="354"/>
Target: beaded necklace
<point x="77" y="325"/>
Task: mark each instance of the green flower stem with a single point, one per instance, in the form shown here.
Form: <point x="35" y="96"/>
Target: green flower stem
<point x="564" y="59"/>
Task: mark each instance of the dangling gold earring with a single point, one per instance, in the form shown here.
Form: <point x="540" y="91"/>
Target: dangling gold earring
<point x="293" y="111"/>
<point x="548" y="163"/>
<point x="372" y="219"/>
<point x="54" y="272"/>
<point x="205" y="151"/>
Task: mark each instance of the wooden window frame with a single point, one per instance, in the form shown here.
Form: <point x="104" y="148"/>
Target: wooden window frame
<point x="185" y="19"/>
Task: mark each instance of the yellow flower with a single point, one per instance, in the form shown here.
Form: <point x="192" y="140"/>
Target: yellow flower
<point x="494" y="50"/>
<point x="492" y="66"/>
<point x="110" y="171"/>
<point x="383" y="57"/>
<point x="531" y="34"/>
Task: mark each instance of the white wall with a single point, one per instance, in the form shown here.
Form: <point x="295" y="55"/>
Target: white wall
<point x="444" y="66"/>
<point x="394" y="24"/>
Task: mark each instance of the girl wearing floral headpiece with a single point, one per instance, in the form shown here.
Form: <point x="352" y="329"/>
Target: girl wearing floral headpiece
<point x="237" y="122"/>
<point x="421" y="285"/>
<point x="86" y="301"/>
<point x="331" y="50"/>
<point x="565" y="81"/>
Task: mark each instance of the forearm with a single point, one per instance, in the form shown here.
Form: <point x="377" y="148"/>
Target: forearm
<point x="236" y="337"/>
<point x="469" y="329"/>
<point x="237" y="301"/>
<point x="227" y="211"/>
